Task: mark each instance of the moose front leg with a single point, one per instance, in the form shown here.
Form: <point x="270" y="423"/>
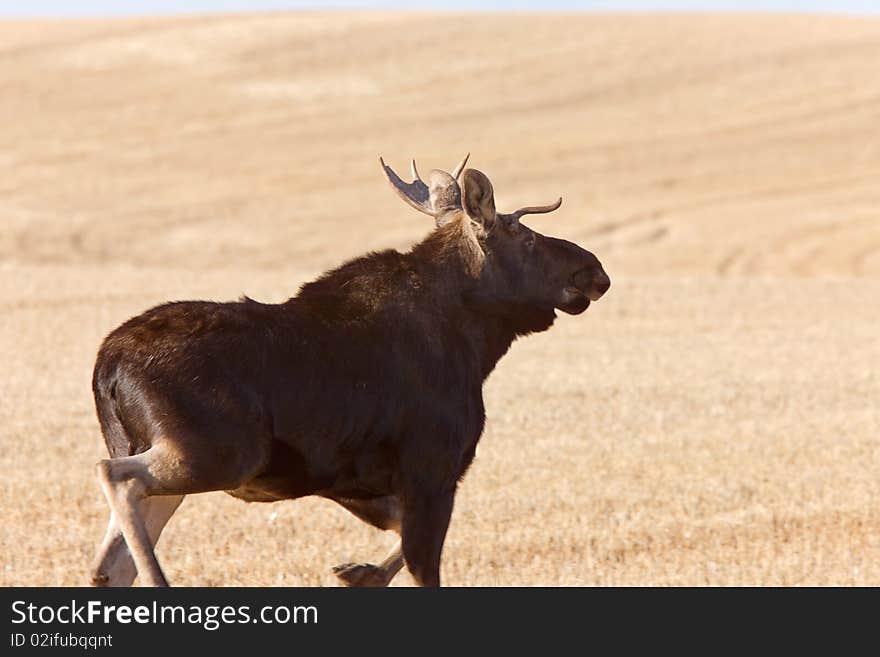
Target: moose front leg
<point x="365" y="575"/>
<point x="425" y="521"/>
<point x="422" y="524"/>
<point x="384" y="513"/>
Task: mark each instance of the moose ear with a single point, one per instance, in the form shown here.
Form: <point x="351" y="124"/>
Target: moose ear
<point x="477" y="197"/>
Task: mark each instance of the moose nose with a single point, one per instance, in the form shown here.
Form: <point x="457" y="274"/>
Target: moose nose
<point x="594" y="283"/>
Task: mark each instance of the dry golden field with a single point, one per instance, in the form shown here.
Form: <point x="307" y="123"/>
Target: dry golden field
<point x="715" y="419"/>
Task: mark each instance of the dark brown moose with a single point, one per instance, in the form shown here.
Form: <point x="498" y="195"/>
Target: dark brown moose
<point x="365" y="388"/>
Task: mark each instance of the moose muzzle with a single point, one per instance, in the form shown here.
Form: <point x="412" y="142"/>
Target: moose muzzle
<point x="592" y="281"/>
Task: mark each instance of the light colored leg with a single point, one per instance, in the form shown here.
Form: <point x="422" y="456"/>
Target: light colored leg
<point x="370" y="575"/>
<point x="113" y="565"/>
<point x="392" y="563"/>
<point x="125" y="483"/>
<point x="384" y="513"/>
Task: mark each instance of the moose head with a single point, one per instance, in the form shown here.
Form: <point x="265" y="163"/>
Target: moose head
<point x="519" y="269"/>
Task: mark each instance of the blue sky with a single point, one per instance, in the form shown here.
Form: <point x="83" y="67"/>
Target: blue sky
<point x="120" y="7"/>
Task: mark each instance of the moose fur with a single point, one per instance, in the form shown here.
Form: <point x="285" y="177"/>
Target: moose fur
<point x="364" y="388"/>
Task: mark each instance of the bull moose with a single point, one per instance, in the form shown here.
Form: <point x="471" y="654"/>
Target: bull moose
<point x="364" y="388"/>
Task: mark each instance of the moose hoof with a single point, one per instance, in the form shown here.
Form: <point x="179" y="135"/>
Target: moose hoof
<point x="100" y="579"/>
<point x="360" y="574"/>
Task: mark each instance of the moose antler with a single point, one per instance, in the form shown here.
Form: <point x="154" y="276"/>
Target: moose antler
<point x="532" y="209"/>
<point x="442" y="195"/>
<point x="456" y="172"/>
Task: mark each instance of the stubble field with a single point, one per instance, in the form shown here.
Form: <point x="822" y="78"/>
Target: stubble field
<point x="715" y="419"/>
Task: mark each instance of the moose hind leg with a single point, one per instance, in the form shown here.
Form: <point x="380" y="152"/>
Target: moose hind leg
<point x="126" y="483"/>
<point x="384" y="513"/>
<point x="174" y="466"/>
<point x="113" y="565"/>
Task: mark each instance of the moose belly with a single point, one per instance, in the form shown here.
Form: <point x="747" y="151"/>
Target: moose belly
<point x="363" y="474"/>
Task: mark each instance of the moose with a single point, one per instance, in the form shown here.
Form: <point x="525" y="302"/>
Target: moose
<point x="365" y="388"/>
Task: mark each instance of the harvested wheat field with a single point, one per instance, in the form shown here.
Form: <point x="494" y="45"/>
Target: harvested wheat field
<point x="714" y="419"/>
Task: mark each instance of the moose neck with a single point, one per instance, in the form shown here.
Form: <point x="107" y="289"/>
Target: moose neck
<point x="454" y="259"/>
<point x="499" y="323"/>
